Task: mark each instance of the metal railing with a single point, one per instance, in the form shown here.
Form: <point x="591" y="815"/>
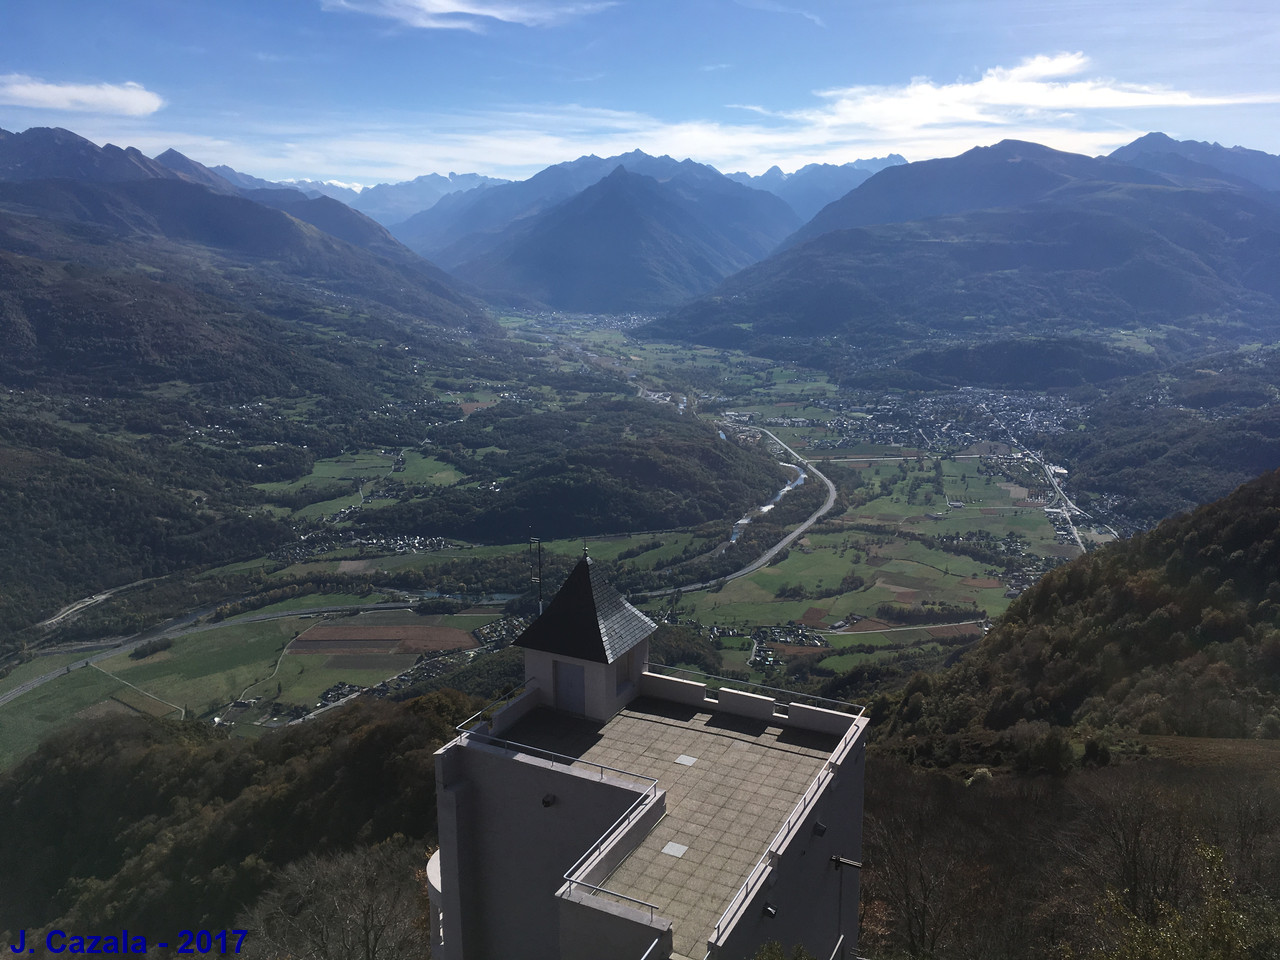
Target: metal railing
<point x="492" y="708"/>
<point x="758" y="872"/>
<point x="632" y="812"/>
<point x="558" y="758"/>
<point x="776" y="693"/>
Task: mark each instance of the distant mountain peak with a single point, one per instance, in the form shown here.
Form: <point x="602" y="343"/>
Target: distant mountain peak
<point x="1245" y="167"/>
<point x="44" y="153"/>
<point x="1154" y="138"/>
<point x="1009" y="173"/>
<point x="189" y="169"/>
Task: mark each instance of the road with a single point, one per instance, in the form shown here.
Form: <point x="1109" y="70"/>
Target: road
<point x="74" y="608"/>
<point x="1061" y="501"/>
<point x="765" y="558"/>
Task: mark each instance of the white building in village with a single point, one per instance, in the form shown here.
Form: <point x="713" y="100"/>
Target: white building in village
<point x="607" y="810"/>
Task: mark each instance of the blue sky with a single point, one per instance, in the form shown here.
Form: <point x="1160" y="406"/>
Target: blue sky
<point x="368" y="91"/>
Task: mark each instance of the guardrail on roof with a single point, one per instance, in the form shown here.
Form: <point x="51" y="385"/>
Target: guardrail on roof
<point x="629" y="816"/>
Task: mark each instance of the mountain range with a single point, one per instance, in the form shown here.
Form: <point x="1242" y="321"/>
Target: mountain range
<point x="629" y="242"/>
<point x="814" y="185"/>
<point x="1016" y="251"/>
<point x="392" y="203"/>
<point x="580" y="236"/>
<point x="1242" y="166"/>
<point x="122" y="270"/>
<point x="1042" y="256"/>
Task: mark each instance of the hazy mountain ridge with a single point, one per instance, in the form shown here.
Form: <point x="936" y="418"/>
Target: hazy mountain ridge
<point x="1101" y="246"/>
<point x="631" y="242"/>
<point x="392" y="203"/>
<point x="461" y="227"/>
<point x="1239" y="163"/>
<point x="176" y="210"/>
<point x="1010" y="173"/>
<point x="44" y="153"/>
<point x="814" y="185"/>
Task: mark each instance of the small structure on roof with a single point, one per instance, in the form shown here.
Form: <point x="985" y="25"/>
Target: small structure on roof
<point x="590" y="644"/>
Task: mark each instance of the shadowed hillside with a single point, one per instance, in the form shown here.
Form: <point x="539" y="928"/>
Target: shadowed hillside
<point x="1173" y="631"/>
<point x="1190" y="267"/>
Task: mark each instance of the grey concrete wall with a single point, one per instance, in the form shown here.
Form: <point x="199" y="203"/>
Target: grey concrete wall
<point x="597" y="868"/>
<point x="603" y="699"/>
<point x="509" y="852"/>
<point x="755" y="705"/>
<point x="674" y="689"/>
<point x="533" y="697"/>
<point x="453" y="795"/>
<point x="803" y="886"/>
<point x="804" y="717"/>
<point x="749" y="705"/>
<point x="592" y="928"/>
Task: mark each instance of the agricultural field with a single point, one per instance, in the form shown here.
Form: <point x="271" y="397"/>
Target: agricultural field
<point x="917" y="539"/>
<point x="292" y="660"/>
<point x="894" y="549"/>
<point x="204" y="670"/>
<point x="36" y="668"/>
<point x="348" y="480"/>
<point x="80" y="694"/>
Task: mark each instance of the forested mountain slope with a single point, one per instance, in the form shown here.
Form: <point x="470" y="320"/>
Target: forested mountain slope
<point x="136" y="308"/>
<point x="631" y="242"/>
<point x="1173" y="631"/>
<point x="1188" y="268"/>
<point x="1011" y="173"/>
<point x="153" y="826"/>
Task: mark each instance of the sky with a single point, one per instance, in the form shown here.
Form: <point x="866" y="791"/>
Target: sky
<point x="374" y="91"/>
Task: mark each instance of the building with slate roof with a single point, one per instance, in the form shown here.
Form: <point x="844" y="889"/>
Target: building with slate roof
<point x="609" y="808"/>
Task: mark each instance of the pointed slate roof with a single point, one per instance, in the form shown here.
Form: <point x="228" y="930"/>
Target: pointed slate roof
<point x="588" y="619"/>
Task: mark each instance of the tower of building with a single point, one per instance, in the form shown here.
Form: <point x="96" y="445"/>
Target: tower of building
<point x="610" y="808"/>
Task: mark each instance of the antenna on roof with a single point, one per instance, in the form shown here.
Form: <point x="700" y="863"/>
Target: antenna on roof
<point x="584" y="548"/>
<point x="536" y="545"/>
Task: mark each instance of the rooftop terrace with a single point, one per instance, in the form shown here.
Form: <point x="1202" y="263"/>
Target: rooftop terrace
<point x="732" y="782"/>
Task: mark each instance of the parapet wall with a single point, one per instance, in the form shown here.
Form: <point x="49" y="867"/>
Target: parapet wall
<point x="796" y="715"/>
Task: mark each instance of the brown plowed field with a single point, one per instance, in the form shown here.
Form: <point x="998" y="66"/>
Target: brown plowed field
<point x="332" y="640"/>
<point x="813" y="617"/>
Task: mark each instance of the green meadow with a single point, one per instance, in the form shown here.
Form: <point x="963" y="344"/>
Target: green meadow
<point x="209" y="668"/>
<point x="29" y="719"/>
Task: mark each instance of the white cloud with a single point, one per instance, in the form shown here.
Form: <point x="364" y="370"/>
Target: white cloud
<point x="467" y="14"/>
<point x="123" y="99"/>
<point x="1046" y="99"/>
<point x="1032" y="92"/>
